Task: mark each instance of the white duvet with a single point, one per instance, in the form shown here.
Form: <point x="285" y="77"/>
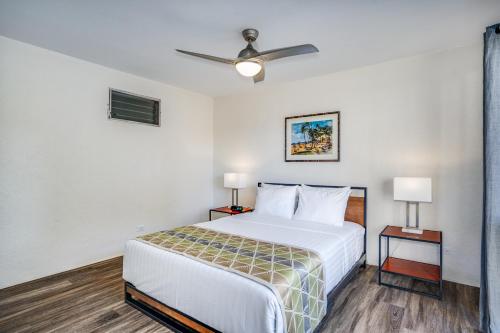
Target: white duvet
<point x="227" y="301"/>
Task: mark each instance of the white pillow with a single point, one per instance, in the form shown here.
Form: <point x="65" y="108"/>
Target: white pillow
<point x="281" y="186"/>
<point x="276" y="200"/>
<point x="324" y="205"/>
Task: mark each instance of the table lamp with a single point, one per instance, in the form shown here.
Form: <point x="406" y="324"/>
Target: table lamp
<point x="235" y="181"/>
<point x="413" y="190"/>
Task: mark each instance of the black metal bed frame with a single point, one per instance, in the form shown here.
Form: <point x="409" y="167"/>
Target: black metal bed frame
<point x="179" y="327"/>
<point x="160" y="317"/>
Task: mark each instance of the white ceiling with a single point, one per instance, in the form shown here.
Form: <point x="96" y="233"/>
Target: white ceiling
<point x="139" y="37"/>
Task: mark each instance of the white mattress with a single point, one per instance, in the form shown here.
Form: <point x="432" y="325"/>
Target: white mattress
<point x="227" y="301"/>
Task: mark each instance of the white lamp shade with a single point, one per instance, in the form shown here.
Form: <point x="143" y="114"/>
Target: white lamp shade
<point x="413" y="189"/>
<point x="235" y="180"/>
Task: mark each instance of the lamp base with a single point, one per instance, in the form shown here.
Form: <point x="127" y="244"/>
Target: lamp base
<point x="413" y="231"/>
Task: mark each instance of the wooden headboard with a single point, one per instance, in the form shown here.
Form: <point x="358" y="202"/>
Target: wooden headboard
<point x="355" y="211"/>
<point x="356" y="206"/>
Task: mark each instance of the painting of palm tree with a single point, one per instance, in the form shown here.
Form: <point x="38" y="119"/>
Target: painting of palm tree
<point x="310" y="138"/>
<point x="313" y="137"/>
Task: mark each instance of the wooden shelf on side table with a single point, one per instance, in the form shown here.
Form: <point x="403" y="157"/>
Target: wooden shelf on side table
<point x="228" y="210"/>
<point x="410" y="268"/>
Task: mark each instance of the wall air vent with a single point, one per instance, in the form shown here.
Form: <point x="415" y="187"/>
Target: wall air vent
<point x="132" y="107"/>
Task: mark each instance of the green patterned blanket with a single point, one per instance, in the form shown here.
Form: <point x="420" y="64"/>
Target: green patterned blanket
<point x="295" y="275"/>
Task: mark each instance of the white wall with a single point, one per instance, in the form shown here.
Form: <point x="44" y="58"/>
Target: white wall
<point x="419" y="116"/>
<point x="74" y="185"/>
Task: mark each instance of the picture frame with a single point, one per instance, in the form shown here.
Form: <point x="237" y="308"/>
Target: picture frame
<point x="313" y="137"/>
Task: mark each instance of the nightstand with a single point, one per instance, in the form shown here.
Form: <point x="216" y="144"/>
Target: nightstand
<point x="227" y="210"/>
<point x="414" y="269"/>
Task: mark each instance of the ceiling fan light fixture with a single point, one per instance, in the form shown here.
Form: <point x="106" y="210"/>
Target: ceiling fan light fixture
<point x="250" y="62"/>
<point x="248" y="68"/>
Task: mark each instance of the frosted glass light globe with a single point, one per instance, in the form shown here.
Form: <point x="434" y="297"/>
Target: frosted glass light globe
<point x="248" y="68"/>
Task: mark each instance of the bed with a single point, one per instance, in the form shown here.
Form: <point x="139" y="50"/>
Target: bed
<point x="189" y="296"/>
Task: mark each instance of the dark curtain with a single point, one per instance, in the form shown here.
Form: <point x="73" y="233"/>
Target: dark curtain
<point x="490" y="245"/>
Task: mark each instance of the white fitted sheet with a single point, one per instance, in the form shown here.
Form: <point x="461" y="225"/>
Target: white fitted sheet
<point x="227" y="301"/>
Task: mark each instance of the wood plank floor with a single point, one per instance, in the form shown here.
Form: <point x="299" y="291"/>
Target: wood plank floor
<point x="91" y="300"/>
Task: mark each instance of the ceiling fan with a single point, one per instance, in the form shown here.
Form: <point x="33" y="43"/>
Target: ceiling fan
<point x="250" y="62"/>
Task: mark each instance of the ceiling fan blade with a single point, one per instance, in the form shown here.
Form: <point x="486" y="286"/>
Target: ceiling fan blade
<point x="286" y="52"/>
<point x="208" y="57"/>
<point x="260" y="75"/>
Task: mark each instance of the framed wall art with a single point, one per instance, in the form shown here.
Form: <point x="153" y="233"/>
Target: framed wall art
<point x="313" y="138"/>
